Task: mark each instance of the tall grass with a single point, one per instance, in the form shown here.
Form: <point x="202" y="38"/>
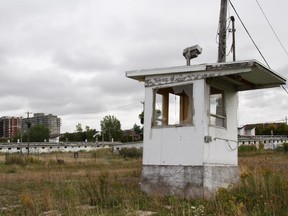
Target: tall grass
<point x="109" y="185"/>
<point x="21" y="160"/>
<point x="260" y="192"/>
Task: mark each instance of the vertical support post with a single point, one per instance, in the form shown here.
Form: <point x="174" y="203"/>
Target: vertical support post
<point x="222" y="32"/>
<point x="233" y="37"/>
<point x="165" y="108"/>
<point x="188" y="61"/>
<point x="28" y="126"/>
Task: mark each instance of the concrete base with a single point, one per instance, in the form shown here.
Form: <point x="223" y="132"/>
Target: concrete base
<point x="187" y="181"/>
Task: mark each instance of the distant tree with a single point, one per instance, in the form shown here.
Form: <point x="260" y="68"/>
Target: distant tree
<point x="67" y="137"/>
<point x="111" y="128"/>
<point x="283" y="129"/>
<point x="37" y="133"/>
<point x="137" y="129"/>
<point x="3" y="140"/>
<point x="17" y="137"/>
<point x="141" y="117"/>
<point x="89" y="133"/>
<point x="271" y="128"/>
<point x="133" y="134"/>
<point x="79" y="128"/>
<point x="79" y="135"/>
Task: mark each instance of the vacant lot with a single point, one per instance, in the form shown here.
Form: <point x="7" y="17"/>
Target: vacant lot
<point x="105" y="184"/>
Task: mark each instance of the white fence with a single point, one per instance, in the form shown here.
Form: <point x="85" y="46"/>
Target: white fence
<point x="38" y="148"/>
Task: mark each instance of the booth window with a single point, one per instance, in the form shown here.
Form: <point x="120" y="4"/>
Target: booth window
<point x="217" y="107"/>
<point x="173" y="106"/>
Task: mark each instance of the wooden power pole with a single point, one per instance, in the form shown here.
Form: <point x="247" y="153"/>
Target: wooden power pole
<point x="222" y="32"/>
<point x="28" y="132"/>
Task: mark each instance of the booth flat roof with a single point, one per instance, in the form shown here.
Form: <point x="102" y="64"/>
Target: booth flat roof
<point x="246" y="75"/>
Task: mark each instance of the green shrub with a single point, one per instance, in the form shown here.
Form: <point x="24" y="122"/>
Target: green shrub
<point x="102" y="153"/>
<point x="261" y="192"/>
<point x="131" y="152"/>
<point x="285" y="147"/>
<point x="279" y="148"/>
<point x="247" y="148"/>
<point x="261" y="146"/>
<point x="20" y="160"/>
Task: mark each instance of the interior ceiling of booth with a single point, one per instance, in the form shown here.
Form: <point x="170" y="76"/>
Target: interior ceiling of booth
<point x="258" y="76"/>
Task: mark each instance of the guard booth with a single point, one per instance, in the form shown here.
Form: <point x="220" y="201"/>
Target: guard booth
<point x="190" y="125"/>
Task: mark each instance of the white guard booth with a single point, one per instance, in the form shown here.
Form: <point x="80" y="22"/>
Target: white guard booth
<point x="190" y="125"/>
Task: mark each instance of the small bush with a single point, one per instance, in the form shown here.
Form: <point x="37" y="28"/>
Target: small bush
<point x="285" y="147"/>
<point x="261" y="192"/>
<point x="247" y="148"/>
<point x="131" y="152"/>
<point x="102" y="153"/>
<point x="261" y="146"/>
<point x="279" y="148"/>
<point x="14" y="159"/>
<point x="20" y="160"/>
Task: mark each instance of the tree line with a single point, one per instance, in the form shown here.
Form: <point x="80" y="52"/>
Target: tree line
<point x="271" y="129"/>
<point x="110" y="131"/>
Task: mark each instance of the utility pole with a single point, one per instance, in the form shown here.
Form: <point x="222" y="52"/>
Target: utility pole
<point x="222" y="32"/>
<point x="28" y="126"/>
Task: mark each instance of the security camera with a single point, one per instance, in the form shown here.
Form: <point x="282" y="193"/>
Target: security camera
<point x="191" y="52"/>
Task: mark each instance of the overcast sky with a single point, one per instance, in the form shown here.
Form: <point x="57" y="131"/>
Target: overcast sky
<point x="69" y="57"/>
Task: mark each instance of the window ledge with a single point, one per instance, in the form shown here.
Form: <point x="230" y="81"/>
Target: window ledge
<point x="219" y="127"/>
<point x="172" y="126"/>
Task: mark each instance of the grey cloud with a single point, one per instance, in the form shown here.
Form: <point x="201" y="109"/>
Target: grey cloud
<point x="69" y="57"/>
<point x="87" y="60"/>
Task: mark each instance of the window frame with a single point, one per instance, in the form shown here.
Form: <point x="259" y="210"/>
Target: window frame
<point x="221" y="117"/>
<point x="186" y="105"/>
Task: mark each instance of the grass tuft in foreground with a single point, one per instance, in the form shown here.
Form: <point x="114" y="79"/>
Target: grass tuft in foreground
<point x="100" y="183"/>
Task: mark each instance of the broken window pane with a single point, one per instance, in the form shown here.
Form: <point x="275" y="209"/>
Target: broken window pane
<point x="173" y="106"/>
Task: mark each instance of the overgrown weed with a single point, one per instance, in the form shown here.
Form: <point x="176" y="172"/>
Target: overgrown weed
<point x="110" y="185"/>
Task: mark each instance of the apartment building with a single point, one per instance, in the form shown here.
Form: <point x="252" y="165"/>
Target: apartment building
<point x="50" y="121"/>
<point x="10" y="126"/>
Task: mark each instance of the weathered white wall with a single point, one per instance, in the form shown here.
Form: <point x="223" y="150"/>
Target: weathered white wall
<point x="185" y="145"/>
<point x="223" y="148"/>
<point x="174" y="145"/>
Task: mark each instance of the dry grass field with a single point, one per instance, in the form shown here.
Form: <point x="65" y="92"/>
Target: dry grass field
<point x="108" y="184"/>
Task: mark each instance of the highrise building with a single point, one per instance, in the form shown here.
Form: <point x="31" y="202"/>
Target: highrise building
<point x="10" y="126"/>
<point x="50" y="121"/>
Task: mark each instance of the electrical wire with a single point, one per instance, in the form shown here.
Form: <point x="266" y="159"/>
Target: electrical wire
<point x="280" y="42"/>
<point x="228" y="143"/>
<point x="218" y="29"/>
<point x="253" y="39"/>
<point x="125" y="107"/>
<point x="284" y="89"/>
<point x="249" y="34"/>
<point x="275" y="34"/>
<point x="266" y="122"/>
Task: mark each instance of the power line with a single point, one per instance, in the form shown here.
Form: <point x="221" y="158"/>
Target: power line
<point x="254" y="41"/>
<point x="272" y="28"/>
<point x="121" y="108"/>
<point x="249" y="34"/>
<point x="265" y="122"/>
<point x="284" y="89"/>
<point x="280" y="42"/>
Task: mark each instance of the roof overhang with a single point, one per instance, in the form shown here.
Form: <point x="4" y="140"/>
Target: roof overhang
<point x="245" y="75"/>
